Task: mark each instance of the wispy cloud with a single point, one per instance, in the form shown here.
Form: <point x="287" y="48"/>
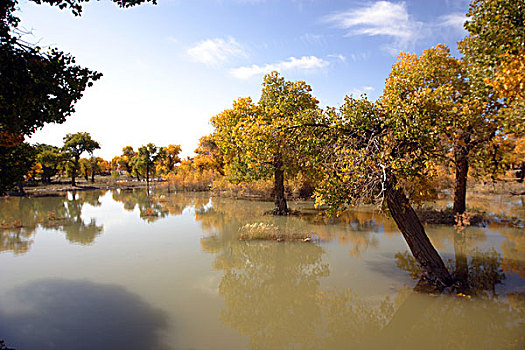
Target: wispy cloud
<point x="360" y="56"/>
<point x="453" y="20"/>
<point x="217" y="51"/>
<point x="338" y="56"/>
<point x="382" y="18"/>
<point x="303" y="63"/>
<point x="312" y="39"/>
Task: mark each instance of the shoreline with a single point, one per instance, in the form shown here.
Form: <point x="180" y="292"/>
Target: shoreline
<point x="429" y="215"/>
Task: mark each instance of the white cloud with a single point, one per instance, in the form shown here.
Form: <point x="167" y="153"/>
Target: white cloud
<point x="303" y="63"/>
<point x="454" y="20"/>
<point x="382" y="18"/>
<point x="214" y="52"/>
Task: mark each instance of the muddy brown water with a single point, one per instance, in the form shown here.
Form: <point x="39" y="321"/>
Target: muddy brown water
<point x="124" y="270"/>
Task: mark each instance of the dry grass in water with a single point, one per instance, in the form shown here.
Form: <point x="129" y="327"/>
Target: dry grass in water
<point x="270" y="232"/>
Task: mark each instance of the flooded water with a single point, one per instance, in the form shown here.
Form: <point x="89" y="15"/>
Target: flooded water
<point x="123" y="270"/>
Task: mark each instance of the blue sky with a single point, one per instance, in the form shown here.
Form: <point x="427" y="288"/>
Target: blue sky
<point x="169" y="68"/>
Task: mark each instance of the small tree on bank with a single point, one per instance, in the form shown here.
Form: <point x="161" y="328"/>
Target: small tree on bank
<point x="146" y="158"/>
<point x="74" y="146"/>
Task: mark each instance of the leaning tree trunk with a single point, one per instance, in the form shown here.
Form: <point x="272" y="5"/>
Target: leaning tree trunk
<point x="460" y="186"/>
<point x="428" y="259"/>
<point x="281" y="207"/>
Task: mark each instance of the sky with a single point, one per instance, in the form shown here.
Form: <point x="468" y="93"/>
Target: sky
<point x="168" y="68"/>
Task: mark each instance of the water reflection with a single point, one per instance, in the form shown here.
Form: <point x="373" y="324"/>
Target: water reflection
<point x="278" y="295"/>
<point x="513" y="248"/>
<point x="154" y="206"/>
<point x="273" y="291"/>
<point x="476" y="272"/>
<point x="64" y="314"/>
<point x="21" y="217"/>
<point x="445" y="322"/>
<point x="356" y="229"/>
<point x="272" y="294"/>
<point x="270" y="291"/>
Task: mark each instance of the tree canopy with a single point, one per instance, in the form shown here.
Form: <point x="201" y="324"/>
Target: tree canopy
<point x="74" y="146"/>
<point x="259" y="140"/>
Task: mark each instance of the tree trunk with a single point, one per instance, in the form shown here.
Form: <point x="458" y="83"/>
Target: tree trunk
<point x="93" y="177"/>
<point x="407" y="221"/>
<point x="21" y="188"/>
<point x="521" y="173"/>
<point x="147" y="174"/>
<point x="280" y="200"/>
<point x="460" y="186"/>
<point x="73" y="177"/>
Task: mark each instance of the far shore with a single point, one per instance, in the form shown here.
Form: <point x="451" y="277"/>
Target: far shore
<point x="503" y="190"/>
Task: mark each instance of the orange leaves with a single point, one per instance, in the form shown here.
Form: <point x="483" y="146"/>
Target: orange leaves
<point x="509" y="80"/>
<point x="9" y="139"/>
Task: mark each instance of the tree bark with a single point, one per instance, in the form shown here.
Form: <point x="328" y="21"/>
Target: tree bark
<point x="460" y="186"/>
<point x="281" y="207"/>
<point x="93" y="177"/>
<point x="428" y="259"/>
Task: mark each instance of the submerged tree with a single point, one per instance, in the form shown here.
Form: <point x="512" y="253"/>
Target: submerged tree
<point x="256" y="139"/>
<point x="368" y="154"/>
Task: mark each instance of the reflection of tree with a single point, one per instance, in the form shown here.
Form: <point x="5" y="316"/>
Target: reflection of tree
<point x="15" y="241"/>
<point x="476" y="272"/>
<point x="453" y="322"/>
<point x="513" y="251"/>
<point x="20" y="218"/>
<point x="273" y="295"/>
<point x="356" y="229"/>
<point x="77" y="231"/>
<point x="268" y="288"/>
<point x="156" y="206"/>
